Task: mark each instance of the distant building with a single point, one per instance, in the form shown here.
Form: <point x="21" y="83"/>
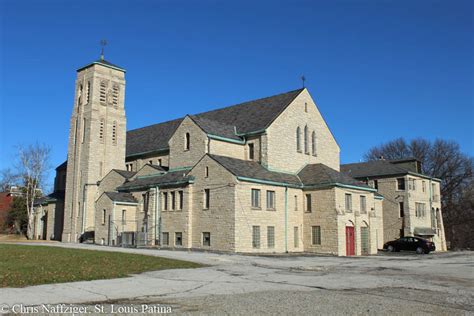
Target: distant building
<point x="6" y="200"/>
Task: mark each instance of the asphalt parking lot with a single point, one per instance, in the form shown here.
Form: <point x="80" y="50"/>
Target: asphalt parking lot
<point x="395" y="283"/>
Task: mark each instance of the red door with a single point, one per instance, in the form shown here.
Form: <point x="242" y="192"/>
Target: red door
<point x="350" y="242"/>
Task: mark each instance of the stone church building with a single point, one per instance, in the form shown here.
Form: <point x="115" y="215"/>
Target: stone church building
<point x="257" y="177"/>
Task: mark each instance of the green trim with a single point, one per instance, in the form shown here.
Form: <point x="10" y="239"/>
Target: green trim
<point x="154" y="185"/>
<point x="124" y="203"/>
<point x="225" y="139"/>
<point x="281" y="184"/>
<point x="378" y="197"/>
<point x="155" y="151"/>
<point x="261" y="131"/>
<point x="423" y="176"/>
<point x="180" y="169"/>
<point x="102" y="64"/>
<point x="340" y="185"/>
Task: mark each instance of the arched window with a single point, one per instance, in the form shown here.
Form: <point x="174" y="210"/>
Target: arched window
<point x="187" y="141"/>
<point x="298" y="139"/>
<point x="83" y="129"/>
<point x="79" y="97"/>
<point x="306" y="147"/>
<point x="313" y="143"/>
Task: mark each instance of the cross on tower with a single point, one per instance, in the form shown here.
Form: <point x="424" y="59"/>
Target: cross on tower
<point x="303" y="79"/>
<point x="103" y="43"/>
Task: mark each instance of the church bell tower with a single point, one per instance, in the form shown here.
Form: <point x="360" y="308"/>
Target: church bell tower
<point x="97" y="138"/>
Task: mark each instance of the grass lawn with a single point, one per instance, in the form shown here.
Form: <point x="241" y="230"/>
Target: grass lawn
<point x="32" y="265"/>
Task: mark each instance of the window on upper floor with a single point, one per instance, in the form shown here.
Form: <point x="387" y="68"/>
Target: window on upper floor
<point x="101" y="130"/>
<point x="411" y="184"/>
<point x="207" y="199"/>
<point x="306" y="107"/>
<point x="88" y="91"/>
<point x="420" y="209"/>
<point x="363" y="204"/>
<point x="115" y="95"/>
<point x="423" y="186"/>
<point x="348" y="202"/>
<point x="298" y="139"/>
<point x="376" y="184"/>
<point x="308" y="203"/>
<point x="401" y="184"/>
<point x="173" y="200"/>
<point x="251" y="151"/>
<point x="270" y="200"/>
<point x="313" y="143"/>
<point x="104" y="216"/>
<point x="165" y="201"/>
<point x="180" y="200"/>
<point x="306" y="145"/>
<point x="255" y="198"/>
<point x="401" y="209"/>
<point x="114" y="133"/>
<point x="103" y="92"/>
<point x="296" y="202"/>
<point x="187" y="141"/>
<point x="206" y="172"/>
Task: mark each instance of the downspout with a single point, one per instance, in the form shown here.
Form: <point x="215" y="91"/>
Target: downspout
<point x="157" y="215"/>
<point x="113" y="225"/>
<point x="286" y="219"/>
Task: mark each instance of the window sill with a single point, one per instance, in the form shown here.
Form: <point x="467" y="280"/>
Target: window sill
<point x="205" y="209"/>
<point x="308" y="211"/>
<point x="256" y="208"/>
<point x="271" y="209"/>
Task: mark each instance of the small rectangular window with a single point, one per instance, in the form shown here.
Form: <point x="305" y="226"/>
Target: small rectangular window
<point x="104" y="216"/>
<point x="180" y="200"/>
<point x="423" y="186"/>
<point x="316" y="235"/>
<point x="363" y="204"/>
<point x="206" y="172"/>
<point x="207" y="199"/>
<point x="159" y="162"/>
<point x="124" y="217"/>
<point x="308" y="203"/>
<point x="401" y="210"/>
<point x="187" y="141"/>
<point x="401" y="184"/>
<point x="271" y="236"/>
<point x="206" y="239"/>
<point x="256" y="237"/>
<point x="348" y="202"/>
<point x="251" y="151"/>
<point x="165" y="201"/>
<point x="178" y="241"/>
<point x="296" y="237"/>
<point x="376" y="184"/>
<point x="271" y="200"/>
<point x="173" y="200"/>
<point x="296" y="202"/>
<point x="165" y="239"/>
<point x="255" y="198"/>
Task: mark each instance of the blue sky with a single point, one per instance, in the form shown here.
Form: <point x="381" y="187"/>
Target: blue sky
<point x="378" y="70"/>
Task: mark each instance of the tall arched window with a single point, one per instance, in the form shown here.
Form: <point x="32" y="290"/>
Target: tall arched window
<point x="187" y="141"/>
<point x="313" y="143"/>
<point x="298" y="139"/>
<point x="103" y="92"/>
<point x="88" y="92"/>
<point x="101" y="130"/>
<point x="306" y="147"/>
<point x="115" y="95"/>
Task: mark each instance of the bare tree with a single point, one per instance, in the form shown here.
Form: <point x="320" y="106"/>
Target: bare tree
<point x="7" y="179"/>
<point x="33" y="164"/>
<point x="444" y="160"/>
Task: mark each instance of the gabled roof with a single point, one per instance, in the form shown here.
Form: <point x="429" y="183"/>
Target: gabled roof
<point x="243" y="118"/>
<point x="124" y="173"/>
<point x="245" y="169"/>
<point x="121" y="197"/>
<point x="321" y="175"/>
<point x="50" y="198"/>
<point x="375" y="168"/>
<point x="172" y="178"/>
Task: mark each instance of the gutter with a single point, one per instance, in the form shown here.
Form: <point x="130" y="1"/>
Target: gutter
<point x="157" y="215"/>
<point x="281" y="184"/>
<point x="225" y="139"/>
<point x="148" y="186"/>
<point x="156" y="151"/>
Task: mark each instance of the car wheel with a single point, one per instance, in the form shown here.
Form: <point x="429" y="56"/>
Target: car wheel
<point x="390" y="248"/>
<point x="420" y="250"/>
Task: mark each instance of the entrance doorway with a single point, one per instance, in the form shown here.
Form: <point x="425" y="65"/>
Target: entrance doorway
<point x="350" y="241"/>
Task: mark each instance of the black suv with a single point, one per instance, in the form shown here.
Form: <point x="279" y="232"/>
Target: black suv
<point x="410" y="244"/>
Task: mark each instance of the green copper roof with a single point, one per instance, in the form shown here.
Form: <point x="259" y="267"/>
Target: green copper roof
<point x="103" y="62"/>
